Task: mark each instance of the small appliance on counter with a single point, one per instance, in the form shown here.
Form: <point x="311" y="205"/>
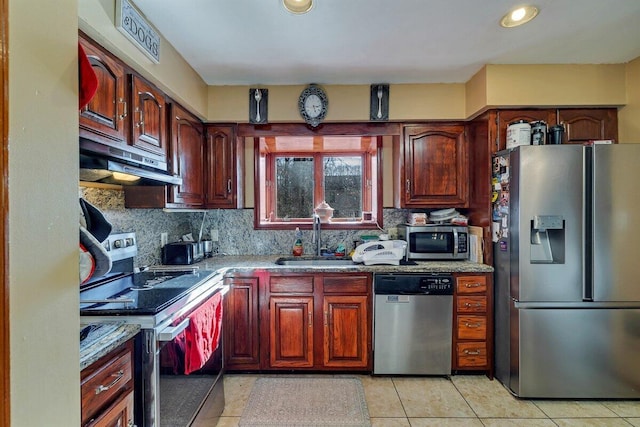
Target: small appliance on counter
<point x="380" y="252"/>
<point x="182" y="253"/>
<point x="435" y="242"/>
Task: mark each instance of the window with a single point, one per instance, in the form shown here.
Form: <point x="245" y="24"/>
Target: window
<point x="295" y="174"/>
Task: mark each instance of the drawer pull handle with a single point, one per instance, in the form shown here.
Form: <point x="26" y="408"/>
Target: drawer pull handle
<point x="472" y="352"/>
<point x="119" y="375"/>
<point x="473" y="285"/>
<point x="468" y="304"/>
<point x="472" y="325"/>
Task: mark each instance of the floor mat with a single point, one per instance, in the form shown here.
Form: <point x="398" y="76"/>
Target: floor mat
<point x="300" y="401"/>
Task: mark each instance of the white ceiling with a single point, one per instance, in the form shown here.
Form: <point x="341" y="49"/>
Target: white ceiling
<point x="257" y="42"/>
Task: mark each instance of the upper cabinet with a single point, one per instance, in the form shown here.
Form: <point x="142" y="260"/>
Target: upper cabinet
<point x="433" y="166"/>
<point x="105" y="117"/>
<point x="505" y="117"/>
<point x="582" y="125"/>
<point x="126" y="109"/>
<point x="224" y="154"/>
<point x="149" y="131"/>
<point x="187" y="158"/>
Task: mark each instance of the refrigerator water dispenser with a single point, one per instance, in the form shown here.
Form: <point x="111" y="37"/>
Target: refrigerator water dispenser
<point x="547" y="239"/>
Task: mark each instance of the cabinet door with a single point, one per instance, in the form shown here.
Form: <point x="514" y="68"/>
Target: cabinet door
<point x="187" y="158"/>
<point x="120" y="414"/>
<point x="435" y="166"/>
<point x="242" y="340"/>
<point x="222" y="171"/>
<point x="291" y="332"/>
<point x="346" y="332"/>
<point x="582" y="125"/>
<point x="509" y="116"/>
<point x="104" y="117"/>
<point x="149" y="117"/>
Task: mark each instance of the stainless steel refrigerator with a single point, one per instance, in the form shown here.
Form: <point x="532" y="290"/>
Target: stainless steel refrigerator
<point x="566" y="232"/>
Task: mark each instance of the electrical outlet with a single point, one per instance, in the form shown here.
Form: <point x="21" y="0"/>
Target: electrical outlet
<point x="214" y="234"/>
<point x="164" y="239"/>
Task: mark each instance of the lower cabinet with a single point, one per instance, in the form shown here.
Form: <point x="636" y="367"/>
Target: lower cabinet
<point x="299" y="321"/>
<point x="473" y="326"/>
<point x="107" y="389"/>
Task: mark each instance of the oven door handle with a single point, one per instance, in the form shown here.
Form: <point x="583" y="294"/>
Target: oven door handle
<point x="171" y="332"/>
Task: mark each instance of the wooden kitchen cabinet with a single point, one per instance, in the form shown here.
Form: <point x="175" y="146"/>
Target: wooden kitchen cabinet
<point x="223" y="174"/>
<point x="126" y="109"/>
<point x="433" y="166"/>
<point x="473" y="323"/>
<point x="319" y="321"/>
<point x="584" y="124"/>
<point x="105" y="118"/>
<point x="187" y="154"/>
<point x="504" y="117"/>
<point x="347" y="321"/>
<point x="149" y="121"/>
<point x="242" y="326"/>
<point x="107" y="389"/>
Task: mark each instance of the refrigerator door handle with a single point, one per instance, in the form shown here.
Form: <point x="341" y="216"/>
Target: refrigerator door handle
<point x="588" y="212"/>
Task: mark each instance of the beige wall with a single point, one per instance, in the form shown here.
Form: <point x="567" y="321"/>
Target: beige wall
<point x="43" y="212"/>
<point x="629" y="115"/>
<point x="173" y="75"/>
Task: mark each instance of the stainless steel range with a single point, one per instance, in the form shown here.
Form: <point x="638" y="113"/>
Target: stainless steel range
<point x="161" y="300"/>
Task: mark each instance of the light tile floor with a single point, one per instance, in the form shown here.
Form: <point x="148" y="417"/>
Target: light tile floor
<point x="462" y="400"/>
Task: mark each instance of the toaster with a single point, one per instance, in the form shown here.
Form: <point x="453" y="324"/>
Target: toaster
<point x="182" y="253"/>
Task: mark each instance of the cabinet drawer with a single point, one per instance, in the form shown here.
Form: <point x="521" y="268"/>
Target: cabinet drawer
<point x="345" y="284"/>
<point x="291" y="284"/>
<point x="472" y="304"/>
<point x="471" y="354"/>
<point x="471" y="284"/>
<point x="472" y="327"/>
<point x="104" y="383"/>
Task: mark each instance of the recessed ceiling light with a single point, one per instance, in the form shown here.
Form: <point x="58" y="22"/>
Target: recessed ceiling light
<point x="518" y="16"/>
<point x="298" y="6"/>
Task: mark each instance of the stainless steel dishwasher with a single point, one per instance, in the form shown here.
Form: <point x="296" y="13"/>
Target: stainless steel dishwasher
<point x="412" y="324"/>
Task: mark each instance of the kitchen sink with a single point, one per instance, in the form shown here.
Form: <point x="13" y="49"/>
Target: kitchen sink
<point x="314" y="260"/>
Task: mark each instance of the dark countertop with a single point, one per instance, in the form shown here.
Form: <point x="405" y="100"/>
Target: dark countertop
<point x="239" y="264"/>
<point x="108" y="336"/>
<point x="102" y="339"/>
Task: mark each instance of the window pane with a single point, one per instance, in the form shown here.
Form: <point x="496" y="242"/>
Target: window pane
<point x="343" y="185"/>
<point x="294" y="187"/>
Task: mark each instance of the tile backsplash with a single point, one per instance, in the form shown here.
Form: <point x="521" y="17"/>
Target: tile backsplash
<point x="236" y="235"/>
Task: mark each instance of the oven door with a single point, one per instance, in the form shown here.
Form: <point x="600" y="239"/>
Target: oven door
<point x="167" y="396"/>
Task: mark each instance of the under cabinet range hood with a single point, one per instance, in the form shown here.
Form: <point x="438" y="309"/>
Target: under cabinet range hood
<point x="105" y="164"/>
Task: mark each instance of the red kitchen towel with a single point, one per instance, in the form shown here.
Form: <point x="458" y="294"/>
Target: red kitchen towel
<point x="88" y="81"/>
<point x="202" y="336"/>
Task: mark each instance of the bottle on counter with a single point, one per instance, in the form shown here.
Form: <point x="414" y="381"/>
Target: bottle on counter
<point x="298" y="249"/>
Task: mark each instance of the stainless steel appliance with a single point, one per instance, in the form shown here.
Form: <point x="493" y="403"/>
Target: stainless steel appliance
<point x="567" y="294"/>
<point x="161" y="301"/>
<point x="435" y="242"/>
<point x="412" y="324"/>
<point x="182" y="253"/>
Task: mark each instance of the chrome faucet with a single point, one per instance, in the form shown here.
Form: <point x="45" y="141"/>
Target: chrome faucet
<point x="315" y="239"/>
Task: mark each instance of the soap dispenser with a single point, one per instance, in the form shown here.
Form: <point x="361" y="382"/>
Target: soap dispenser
<point x="297" y="245"/>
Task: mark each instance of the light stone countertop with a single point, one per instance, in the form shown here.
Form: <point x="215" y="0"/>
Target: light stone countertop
<point x="243" y="263"/>
<point x="104" y="338"/>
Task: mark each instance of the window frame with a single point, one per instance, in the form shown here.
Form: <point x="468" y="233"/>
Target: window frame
<point x="305" y="223"/>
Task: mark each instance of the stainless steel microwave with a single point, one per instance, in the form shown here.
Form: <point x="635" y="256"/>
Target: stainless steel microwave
<point x="435" y="242"/>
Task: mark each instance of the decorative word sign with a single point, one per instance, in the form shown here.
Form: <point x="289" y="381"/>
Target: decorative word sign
<point x="133" y="25"/>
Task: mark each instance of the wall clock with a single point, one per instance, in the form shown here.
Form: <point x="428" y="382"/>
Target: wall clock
<point x="313" y="104"/>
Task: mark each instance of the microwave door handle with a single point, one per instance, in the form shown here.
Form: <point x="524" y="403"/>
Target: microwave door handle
<point x="455" y="243"/>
